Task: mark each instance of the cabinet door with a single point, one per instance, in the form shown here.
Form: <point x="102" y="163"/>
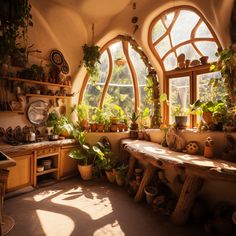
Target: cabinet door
<point x="20" y="175"/>
<point x="68" y="166"/>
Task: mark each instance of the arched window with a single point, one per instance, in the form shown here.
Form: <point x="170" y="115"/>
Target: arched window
<point x="181" y="38"/>
<point x="122" y="80"/>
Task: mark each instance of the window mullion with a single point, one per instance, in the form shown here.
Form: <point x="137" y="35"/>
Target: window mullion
<point x="108" y="78"/>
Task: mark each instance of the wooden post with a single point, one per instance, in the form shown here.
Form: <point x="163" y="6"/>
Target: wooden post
<point x="148" y="174"/>
<point x="192" y="185"/>
<point x="132" y="162"/>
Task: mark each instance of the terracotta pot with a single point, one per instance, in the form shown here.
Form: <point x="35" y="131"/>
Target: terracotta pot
<point x="84" y="125"/>
<point x="111" y="176"/>
<point x="93" y="127"/>
<point x="100" y="127"/>
<point x="208" y="152"/>
<point x="113" y="128"/>
<point x="204" y="60"/>
<point x="207" y="117"/>
<point x="120" y="127"/>
<point x="86" y="172"/>
<point x="120" y="179"/>
<point x="150" y="192"/>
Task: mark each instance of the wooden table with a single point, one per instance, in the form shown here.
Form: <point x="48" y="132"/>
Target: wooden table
<point x="5" y="162"/>
<point x="197" y="168"/>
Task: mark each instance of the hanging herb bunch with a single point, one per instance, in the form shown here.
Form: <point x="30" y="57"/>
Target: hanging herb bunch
<point x="91" y="56"/>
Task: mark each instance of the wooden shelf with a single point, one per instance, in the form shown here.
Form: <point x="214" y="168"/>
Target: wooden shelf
<point x="38" y="82"/>
<point x="47" y="171"/>
<point x="46" y="96"/>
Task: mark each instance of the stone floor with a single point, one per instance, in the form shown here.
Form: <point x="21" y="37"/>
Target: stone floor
<point x="76" y="207"/>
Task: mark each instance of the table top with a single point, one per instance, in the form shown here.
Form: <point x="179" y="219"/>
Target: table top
<point x="156" y="151"/>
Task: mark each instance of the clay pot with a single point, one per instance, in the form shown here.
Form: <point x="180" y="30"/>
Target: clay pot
<point x="208" y="152"/>
<point x="207" y="117"/>
<point x="93" y="127"/>
<point x="86" y="172"/>
<point x="150" y="192"/>
<point x="181" y="121"/>
<point x="100" y="127"/>
<point x="113" y="128"/>
<point x="111" y="176"/>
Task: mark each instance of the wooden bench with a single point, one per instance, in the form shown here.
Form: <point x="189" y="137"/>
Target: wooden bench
<point x="197" y="168"/>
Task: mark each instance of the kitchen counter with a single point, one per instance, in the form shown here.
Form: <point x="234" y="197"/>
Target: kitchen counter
<point x="11" y="149"/>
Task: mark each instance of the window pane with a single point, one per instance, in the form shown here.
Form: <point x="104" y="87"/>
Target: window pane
<point x="157" y="31"/>
<point x="183" y="26"/>
<point x="95" y="86"/>
<point x="189" y="51"/>
<point x="170" y="62"/>
<point x="169" y="18"/>
<point x="208" y="49"/>
<point x="203" y="31"/>
<point x="179" y="97"/>
<point x="163" y="47"/>
<point x="207" y="92"/>
<point x="122" y="96"/>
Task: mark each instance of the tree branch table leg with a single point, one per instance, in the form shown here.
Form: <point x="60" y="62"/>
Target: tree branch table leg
<point x="191" y="187"/>
<point x="148" y="174"/>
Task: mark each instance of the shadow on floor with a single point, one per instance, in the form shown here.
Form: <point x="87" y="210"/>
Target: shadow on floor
<point x="74" y="207"/>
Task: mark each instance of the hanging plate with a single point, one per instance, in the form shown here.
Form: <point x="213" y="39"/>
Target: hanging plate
<point x="57" y="57"/>
<point x="65" y="68"/>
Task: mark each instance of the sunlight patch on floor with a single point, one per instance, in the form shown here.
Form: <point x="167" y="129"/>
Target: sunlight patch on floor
<point x="109" y="229"/>
<point x="49" y="223"/>
<point x="45" y="194"/>
<point x="86" y="201"/>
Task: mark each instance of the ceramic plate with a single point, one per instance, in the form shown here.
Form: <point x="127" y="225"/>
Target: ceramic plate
<point x="57" y="57"/>
<point x="65" y="68"/>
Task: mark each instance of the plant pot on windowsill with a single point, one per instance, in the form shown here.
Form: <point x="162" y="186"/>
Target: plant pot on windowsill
<point x="181" y="121"/>
<point x="207" y="116"/>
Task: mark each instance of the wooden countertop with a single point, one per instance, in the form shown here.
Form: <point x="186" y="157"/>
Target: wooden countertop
<point x="158" y="155"/>
<point x="11" y="149"/>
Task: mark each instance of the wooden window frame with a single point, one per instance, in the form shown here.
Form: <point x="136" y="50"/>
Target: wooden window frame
<point x="192" y="73"/>
<point x="192" y="40"/>
<point x="125" y="47"/>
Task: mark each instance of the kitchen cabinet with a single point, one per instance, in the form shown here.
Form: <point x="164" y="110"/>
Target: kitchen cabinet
<point x="20" y="175"/>
<point x="68" y="166"/>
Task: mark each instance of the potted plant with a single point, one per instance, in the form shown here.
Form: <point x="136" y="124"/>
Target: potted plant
<point x="91" y="58"/>
<point x="100" y="120"/>
<point x="226" y="64"/>
<point x="82" y="111"/>
<point x="86" y="156"/>
<point x="213" y="113"/>
<point x="121" y="172"/>
<point x="181" y="116"/>
<point x="134" y="117"/>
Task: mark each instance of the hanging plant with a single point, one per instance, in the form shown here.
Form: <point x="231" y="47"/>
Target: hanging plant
<point x="226" y="64"/>
<point x="15" y="18"/>
<point x="91" y="58"/>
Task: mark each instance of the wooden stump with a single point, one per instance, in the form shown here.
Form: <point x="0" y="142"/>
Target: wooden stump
<point x="192" y="185"/>
<point x="148" y="174"/>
